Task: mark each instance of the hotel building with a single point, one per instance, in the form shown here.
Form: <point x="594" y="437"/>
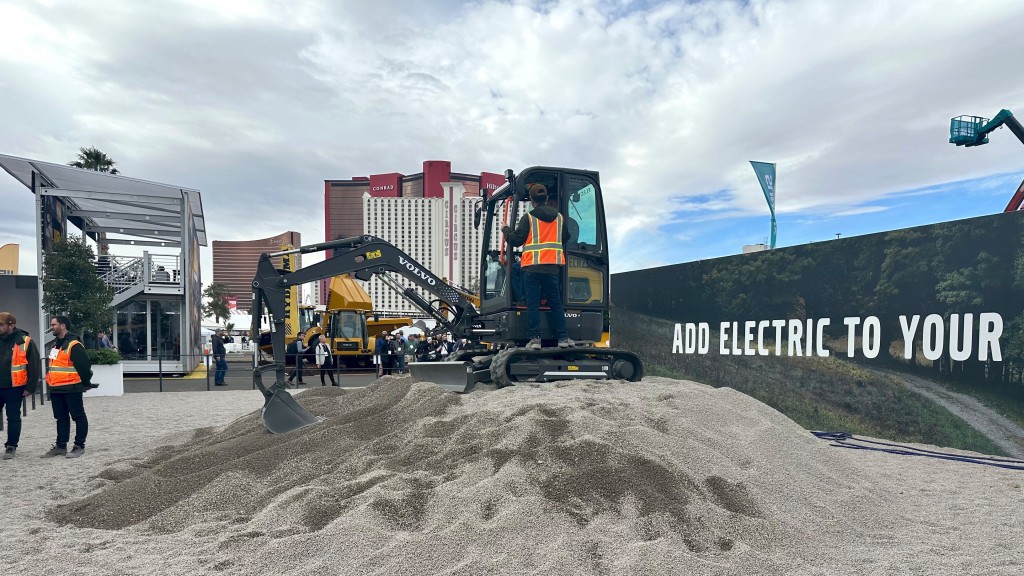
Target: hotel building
<point x="428" y="215"/>
<point x="234" y="263"/>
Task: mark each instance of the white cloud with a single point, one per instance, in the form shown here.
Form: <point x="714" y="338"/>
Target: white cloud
<point x="256" y="103"/>
<point x="861" y="210"/>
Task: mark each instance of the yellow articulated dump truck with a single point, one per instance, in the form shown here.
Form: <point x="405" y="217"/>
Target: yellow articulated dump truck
<point x="347" y="321"/>
<point x="351" y="335"/>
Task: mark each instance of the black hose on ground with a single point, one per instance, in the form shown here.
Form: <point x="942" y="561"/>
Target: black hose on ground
<point x="847" y="440"/>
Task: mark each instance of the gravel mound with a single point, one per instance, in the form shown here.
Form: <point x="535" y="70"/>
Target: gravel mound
<point x="585" y="476"/>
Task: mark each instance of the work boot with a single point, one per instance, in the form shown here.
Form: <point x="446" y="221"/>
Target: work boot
<point x="533" y="344"/>
<point x="9" y="452"/>
<point x="76" y="451"/>
<point x="566" y="343"/>
<point x="55" y="451"/>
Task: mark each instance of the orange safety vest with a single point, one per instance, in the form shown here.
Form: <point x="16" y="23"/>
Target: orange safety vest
<point x="19" y="364"/>
<point x="62" y="371"/>
<point x="544" y="243"/>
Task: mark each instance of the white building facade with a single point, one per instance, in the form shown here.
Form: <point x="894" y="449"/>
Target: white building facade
<point x="437" y="232"/>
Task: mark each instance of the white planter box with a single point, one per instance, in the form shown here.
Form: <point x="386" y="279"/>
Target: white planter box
<point x="110" y="377"/>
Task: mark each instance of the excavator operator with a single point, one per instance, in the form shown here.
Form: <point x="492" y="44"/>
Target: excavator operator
<point x="542" y="232"/>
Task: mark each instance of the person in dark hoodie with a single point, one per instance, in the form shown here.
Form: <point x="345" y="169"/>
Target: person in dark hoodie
<point x="69" y="376"/>
<point x="220" y="358"/>
<point x="542" y="232"/>
<point x="19" y="372"/>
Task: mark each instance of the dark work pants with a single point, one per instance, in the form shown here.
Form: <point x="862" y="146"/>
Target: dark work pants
<point x="11" y="398"/>
<point x="221" y="369"/>
<point x="327" y="370"/>
<point x="297" y="371"/>
<point x="546" y="286"/>
<point x="67" y="407"/>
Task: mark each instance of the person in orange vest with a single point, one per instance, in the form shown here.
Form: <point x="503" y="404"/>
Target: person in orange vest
<point x="68" y="377"/>
<point x="542" y="232"/>
<point x="19" y="372"/>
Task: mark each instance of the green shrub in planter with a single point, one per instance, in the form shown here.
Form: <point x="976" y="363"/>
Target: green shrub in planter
<point x="104" y="356"/>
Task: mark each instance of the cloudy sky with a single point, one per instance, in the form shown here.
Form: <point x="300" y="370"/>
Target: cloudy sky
<point x="255" y="103"/>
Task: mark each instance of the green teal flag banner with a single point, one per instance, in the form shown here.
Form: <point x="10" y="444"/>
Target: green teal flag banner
<point x="766" y="177"/>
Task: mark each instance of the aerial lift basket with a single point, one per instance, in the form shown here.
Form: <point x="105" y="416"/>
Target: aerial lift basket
<point x="963" y="130"/>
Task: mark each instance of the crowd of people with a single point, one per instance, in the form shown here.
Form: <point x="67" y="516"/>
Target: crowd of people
<point x="393" y="352"/>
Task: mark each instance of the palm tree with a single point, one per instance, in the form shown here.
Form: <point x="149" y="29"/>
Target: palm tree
<point x="93" y="158"/>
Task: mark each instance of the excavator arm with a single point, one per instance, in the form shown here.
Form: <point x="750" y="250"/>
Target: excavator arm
<point x="364" y="257"/>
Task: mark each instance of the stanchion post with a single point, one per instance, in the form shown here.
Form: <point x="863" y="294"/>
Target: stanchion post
<point x="160" y="368"/>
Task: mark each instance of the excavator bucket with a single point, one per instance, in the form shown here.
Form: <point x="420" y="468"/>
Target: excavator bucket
<point x="281" y="413"/>
<point x="452" y="376"/>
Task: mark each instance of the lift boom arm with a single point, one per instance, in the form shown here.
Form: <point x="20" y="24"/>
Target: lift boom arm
<point x="1004" y="117"/>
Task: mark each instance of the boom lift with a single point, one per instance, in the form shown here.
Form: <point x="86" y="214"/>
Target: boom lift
<point x="970" y="131"/>
<point x="497" y="329"/>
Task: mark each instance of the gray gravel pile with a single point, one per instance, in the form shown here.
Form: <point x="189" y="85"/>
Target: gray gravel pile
<point x="571" y="474"/>
<point x="661" y="477"/>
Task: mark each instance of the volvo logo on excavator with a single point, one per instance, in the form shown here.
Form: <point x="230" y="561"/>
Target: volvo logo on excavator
<point x="415" y="270"/>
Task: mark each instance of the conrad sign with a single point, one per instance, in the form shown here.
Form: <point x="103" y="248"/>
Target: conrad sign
<point x="385" y="185"/>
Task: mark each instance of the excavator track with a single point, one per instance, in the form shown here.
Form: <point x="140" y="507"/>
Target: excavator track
<point x="499" y="368"/>
<point x="513" y="365"/>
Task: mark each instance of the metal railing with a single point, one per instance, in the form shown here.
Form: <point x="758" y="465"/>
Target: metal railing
<point x="237" y="374"/>
<point x="121" y="273"/>
<point x="164" y="269"/>
<point x="125" y="273"/>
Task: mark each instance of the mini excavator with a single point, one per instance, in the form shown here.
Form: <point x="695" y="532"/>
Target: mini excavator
<point x="496" y="329"/>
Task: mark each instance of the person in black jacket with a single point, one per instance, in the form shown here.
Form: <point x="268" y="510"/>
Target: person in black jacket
<point x="294" y="354"/>
<point x="423" y="349"/>
<point x="17" y="380"/>
<point x="67" y="379"/>
<point x="220" y="358"/>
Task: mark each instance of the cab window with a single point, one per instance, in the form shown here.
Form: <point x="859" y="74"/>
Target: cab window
<point x="581" y="211"/>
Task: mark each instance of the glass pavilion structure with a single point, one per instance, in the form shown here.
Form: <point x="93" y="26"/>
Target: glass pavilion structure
<point x="153" y="233"/>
